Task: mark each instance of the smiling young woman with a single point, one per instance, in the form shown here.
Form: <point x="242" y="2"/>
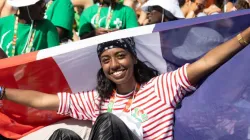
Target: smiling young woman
<point x="131" y="101"/>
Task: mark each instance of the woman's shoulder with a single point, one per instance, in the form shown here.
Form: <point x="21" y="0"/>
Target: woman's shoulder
<point x="90" y="11"/>
<point x="91" y="8"/>
<point x="7" y="18"/>
<point x="150" y="82"/>
<point x="5" y="22"/>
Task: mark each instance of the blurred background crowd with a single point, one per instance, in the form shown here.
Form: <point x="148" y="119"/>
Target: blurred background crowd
<point x="26" y="27"/>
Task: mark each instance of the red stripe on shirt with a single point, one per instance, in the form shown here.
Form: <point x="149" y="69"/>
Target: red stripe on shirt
<point x="75" y="111"/>
<point x="168" y="89"/>
<point x="158" y="131"/>
<point x="171" y="88"/>
<point x="176" y="88"/>
<point x="65" y="104"/>
<point x="157" y="138"/>
<point x="84" y="108"/>
<point x="164" y="92"/>
<point x="61" y="103"/>
<point x="171" y="113"/>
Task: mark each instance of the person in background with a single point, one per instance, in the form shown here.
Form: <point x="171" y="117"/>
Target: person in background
<point x="192" y="8"/>
<point x="79" y="6"/>
<point x="61" y="14"/>
<point x="27" y="30"/>
<point x="162" y="11"/>
<point x="136" y="5"/>
<point x="106" y="16"/>
<point x="142" y="15"/>
<point x="6" y="9"/>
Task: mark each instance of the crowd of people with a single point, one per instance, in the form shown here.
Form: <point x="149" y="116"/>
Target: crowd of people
<point x="38" y="24"/>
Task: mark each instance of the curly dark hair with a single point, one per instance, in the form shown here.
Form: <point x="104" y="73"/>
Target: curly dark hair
<point x="242" y="4"/>
<point x="142" y="74"/>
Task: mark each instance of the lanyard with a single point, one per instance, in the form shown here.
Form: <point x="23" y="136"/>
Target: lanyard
<point x="29" y="41"/>
<point x="128" y="104"/>
<point x="109" y="16"/>
<point x="49" y="4"/>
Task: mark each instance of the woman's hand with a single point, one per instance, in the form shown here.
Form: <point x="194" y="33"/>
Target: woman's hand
<point x="112" y="30"/>
<point x="101" y="31"/>
<point x="96" y="32"/>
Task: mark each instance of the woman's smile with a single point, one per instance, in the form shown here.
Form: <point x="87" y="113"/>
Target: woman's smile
<point x="119" y="74"/>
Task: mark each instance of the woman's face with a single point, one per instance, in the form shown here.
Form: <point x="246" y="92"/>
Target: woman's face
<point x="155" y="14"/>
<point x="118" y="65"/>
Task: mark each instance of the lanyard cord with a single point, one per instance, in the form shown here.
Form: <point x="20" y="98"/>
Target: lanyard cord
<point x="108" y="19"/>
<point x="30" y="38"/>
<point x="128" y="104"/>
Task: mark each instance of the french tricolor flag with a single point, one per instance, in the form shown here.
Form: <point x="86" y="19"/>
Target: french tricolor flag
<point x="218" y="110"/>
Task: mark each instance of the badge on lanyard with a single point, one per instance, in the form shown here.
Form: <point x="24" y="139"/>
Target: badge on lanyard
<point x="140" y="115"/>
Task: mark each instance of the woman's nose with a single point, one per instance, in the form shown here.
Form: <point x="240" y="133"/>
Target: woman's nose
<point x="114" y="64"/>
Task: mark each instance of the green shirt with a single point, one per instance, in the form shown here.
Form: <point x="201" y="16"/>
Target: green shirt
<point x="123" y="17"/>
<point x="45" y="35"/>
<point x="61" y="14"/>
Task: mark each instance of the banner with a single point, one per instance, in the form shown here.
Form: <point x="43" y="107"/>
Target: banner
<point x="217" y="110"/>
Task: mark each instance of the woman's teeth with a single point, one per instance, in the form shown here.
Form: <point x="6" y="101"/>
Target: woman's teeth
<point x="118" y="73"/>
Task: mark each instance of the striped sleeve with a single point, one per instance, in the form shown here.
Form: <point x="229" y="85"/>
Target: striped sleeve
<point x="173" y="86"/>
<point x="79" y="105"/>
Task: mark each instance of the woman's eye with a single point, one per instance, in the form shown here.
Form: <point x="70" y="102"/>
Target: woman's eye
<point x="105" y="60"/>
<point x="120" y="56"/>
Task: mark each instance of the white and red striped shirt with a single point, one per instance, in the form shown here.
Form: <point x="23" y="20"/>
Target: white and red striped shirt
<point x="157" y="98"/>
